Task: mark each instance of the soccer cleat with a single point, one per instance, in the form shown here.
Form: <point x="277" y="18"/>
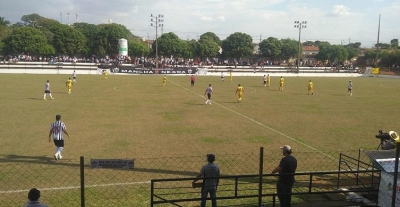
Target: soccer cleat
<point x="59" y="156"/>
<point x="44" y="99"/>
<point x="52" y="98"/>
<point x="55" y="156"/>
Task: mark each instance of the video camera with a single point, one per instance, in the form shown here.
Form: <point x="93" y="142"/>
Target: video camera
<point x="383" y="136"/>
<point x="387" y="139"/>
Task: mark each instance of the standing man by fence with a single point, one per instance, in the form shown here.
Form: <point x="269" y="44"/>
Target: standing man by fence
<point x="209" y="173"/>
<point x="286" y="169"/>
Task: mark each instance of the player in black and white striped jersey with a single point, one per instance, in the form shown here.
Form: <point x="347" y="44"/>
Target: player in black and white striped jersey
<point x="57" y="129"/>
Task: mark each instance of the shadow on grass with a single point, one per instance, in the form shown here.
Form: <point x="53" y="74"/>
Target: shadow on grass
<point x="43" y="160"/>
<point x="37" y="99"/>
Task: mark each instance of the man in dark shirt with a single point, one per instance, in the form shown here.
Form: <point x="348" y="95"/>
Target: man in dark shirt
<point x="287" y="166"/>
<point x="210" y="173"/>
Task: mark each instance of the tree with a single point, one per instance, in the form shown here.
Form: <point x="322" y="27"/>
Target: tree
<point x="207" y="47"/>
<point x="138" y="48"/>
<point x="4" y="22"/>
<point x="106" y="40"/>
<point x="271" y="47"/>
<point x="394" y="43"/>
<point x="192" y="48"/>
<point x="332" y="53"/>
<point x="212" y="36"/>
<point x="170" y="44"/>
<point x="237" y="45"/>
<point x="90" y="31"/>
<point x="27" y="40"/>
<point x="289" y="48"/>
<point x="309" y="43"/>
<point x="68" y="40"/>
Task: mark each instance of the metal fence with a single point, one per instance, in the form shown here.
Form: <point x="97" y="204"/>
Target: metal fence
<point x="74" y="183"/>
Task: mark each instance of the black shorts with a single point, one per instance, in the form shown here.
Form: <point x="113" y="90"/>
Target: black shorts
<point x="47" y="91"/>
<point x="59" y="143"/>
<point x="209" y="95"/>
<point x="265" y="82"/>
<point x="192" y="81"/>
<point x="74" y="77"/>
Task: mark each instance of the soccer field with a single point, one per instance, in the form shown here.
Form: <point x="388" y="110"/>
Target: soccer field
<point x="134" y="116"/>
<point x="169" y="129"/>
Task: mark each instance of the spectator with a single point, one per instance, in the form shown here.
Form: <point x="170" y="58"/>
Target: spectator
<point x="210" y="172"/>
<point x="286" y="169"/>
<point x="33" y="199"/>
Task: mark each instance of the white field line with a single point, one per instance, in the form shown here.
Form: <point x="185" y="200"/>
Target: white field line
<point x="76" y="187"/>
<point x="259" y="123"/>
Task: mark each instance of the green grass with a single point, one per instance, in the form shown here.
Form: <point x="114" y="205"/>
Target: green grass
<point x="168" y="130"/>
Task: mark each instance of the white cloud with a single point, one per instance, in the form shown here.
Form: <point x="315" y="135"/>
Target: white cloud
<point x="221" y="18"/>
<point x="340" y="10"/>
<point x="204" y="18"/>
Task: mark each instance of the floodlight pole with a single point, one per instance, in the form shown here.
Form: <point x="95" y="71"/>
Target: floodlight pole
<point x="157" y="23"/>
<point x="299" y="25"/>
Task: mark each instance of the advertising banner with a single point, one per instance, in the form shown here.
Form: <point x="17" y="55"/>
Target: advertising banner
<point x="112" y="163"/>
<point x="166" y="71"/>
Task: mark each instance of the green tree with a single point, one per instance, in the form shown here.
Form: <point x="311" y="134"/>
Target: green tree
<point x="212" y="36"/>
<point x="4" y="31"/>
<point x="207" y="47"/>
<point x="271" y="47"/>
<point x="394" y="43"/>
<point x="27" y="40"/>
<point x="290" y="48"/>
<point x="68" y="40"/>
<point x="192" y="48"/>
<point x="237" y="45"/>
<point x="170" y="44"/>
<point x="90" y="31"/>
<point x="138" y="48"/>
<point x="309" y="43"/>
<point x="106" y="40"/>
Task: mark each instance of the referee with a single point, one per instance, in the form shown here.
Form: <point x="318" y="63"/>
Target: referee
<point x="57" y="129"/>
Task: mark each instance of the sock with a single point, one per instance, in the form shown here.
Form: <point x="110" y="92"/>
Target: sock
<point x="59" y="149"/>
<point x="50" y="95"/>
<point x="44" y="96"/>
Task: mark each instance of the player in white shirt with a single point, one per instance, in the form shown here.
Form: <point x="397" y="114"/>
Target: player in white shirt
<point x="208" y="91"/>
<point x="74" y="76"/>
<point x="47" y="90"/>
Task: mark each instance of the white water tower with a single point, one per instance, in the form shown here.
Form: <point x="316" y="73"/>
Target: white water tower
<point x="123" y="47"/>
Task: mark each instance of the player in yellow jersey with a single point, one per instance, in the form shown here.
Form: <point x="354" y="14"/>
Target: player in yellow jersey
<point x="268" y="80"/>
<point x="281" y="82"/>
<point x="230" y="76"/>
<point x="310" y="88"/>
<point x="239" y="92"/>
<point x="69" y="85"/>
<point x="105" y="74"/>
<point x="164" y="80"/>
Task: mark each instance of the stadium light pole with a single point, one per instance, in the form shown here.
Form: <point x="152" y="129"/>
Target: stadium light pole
<point x="157" y="21"/>
<point x="299" y="25"/>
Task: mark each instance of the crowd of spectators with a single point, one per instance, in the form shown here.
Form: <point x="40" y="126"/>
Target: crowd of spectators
<point x="170" y="61"/>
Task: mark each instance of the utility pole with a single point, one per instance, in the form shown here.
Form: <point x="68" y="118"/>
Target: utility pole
<point x="299" y="25"/>
<point x="377" y="42"/>
<point x="157" y="20"/>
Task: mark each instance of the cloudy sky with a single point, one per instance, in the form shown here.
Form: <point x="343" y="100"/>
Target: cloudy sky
<point x="335" y="21"/>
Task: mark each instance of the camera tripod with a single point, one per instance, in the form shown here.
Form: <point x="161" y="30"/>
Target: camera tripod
<point x="383" y="146"/>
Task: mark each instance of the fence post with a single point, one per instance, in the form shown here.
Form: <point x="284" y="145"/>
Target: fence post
<point x="260" y="181"/>
<point x="82" y="164"/>
<point x="151" y="193"/>
<point x="396" y="170"/>
<point x="340" y="166"/>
